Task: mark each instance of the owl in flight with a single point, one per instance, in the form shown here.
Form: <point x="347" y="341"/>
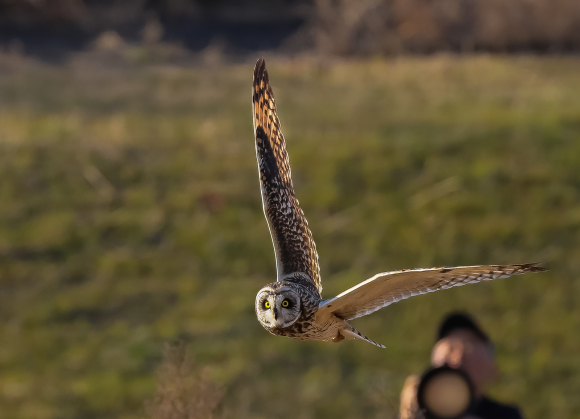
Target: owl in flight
<point x="293" y="306"/>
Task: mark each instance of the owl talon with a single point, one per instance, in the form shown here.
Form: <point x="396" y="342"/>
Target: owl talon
<point x="338" y="338"/>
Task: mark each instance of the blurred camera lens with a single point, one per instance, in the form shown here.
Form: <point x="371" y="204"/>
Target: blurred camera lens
<point x="445" y="393"/>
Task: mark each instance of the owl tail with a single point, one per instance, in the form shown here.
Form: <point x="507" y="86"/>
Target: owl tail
<point x="350" y="332"/>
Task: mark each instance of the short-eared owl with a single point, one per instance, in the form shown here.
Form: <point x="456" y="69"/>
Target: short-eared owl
<point x="292" y="306"/>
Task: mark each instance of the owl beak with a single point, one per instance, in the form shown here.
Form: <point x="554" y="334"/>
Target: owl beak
<point x="275" y="314"/>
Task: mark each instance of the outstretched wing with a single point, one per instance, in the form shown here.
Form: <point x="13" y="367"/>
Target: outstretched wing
<point x="389" y="287"/>
<point x="293" y="243"/>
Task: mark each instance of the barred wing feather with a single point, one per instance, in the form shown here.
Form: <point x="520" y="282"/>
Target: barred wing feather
<point x="293" y="243"/>
<point x="387" y="288"/>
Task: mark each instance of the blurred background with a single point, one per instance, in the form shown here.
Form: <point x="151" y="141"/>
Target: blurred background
<point x="421" y="133"/>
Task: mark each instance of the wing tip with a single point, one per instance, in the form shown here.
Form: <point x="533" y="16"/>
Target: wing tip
<point x="532" y="267"/>
<point x="260" y="72"/>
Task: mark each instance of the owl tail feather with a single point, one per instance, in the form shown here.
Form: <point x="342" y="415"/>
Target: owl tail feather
<point x="350" y="332"/>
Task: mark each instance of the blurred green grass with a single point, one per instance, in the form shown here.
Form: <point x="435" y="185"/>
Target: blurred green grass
<point x="130" y="216"/>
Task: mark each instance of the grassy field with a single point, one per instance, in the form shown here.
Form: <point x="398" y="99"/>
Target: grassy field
<point x="130" y="218"/>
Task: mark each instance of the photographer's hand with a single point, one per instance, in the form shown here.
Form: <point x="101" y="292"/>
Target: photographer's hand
<point x="408" y="407"/>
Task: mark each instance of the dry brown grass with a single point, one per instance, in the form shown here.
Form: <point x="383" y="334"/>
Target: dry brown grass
<point x="337" y="27"/>
<point x="392" y="26"/>
<point x="183" y="391"/>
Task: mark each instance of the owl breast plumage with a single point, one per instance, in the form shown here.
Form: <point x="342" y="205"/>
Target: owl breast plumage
<point x="293" y="306"/>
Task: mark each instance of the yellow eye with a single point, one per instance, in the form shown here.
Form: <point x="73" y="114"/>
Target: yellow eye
<point x="285" y="303"/>
<point x="267" y="304"/>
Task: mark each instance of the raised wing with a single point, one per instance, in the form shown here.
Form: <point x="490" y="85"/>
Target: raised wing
<point x="389" y="287"/>
<point x="293" y="243"/>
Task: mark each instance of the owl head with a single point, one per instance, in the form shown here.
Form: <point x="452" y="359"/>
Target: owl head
<point x="277" y="307"/>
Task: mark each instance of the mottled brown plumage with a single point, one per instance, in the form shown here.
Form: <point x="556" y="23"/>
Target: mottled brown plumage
<point x="294" y="246"/>
<point x="292" y="306"/>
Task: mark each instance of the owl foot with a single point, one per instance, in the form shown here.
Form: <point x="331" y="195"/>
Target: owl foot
<point x="338" y="338"/>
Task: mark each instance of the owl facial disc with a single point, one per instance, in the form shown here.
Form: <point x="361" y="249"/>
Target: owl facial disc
<point x="277" y="308"/>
